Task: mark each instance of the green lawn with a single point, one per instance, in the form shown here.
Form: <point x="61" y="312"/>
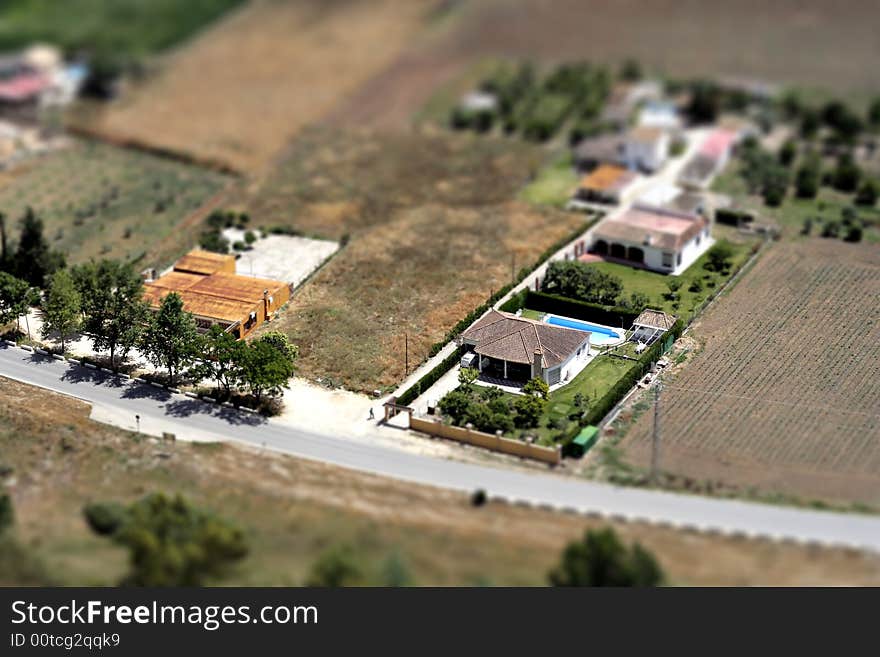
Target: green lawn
<point x="118" y="30"/>
<point x="532" y="314"/>
<point x="593" y="382"/>
<point x="654" y="284"/>
<point x="554" y="184"/>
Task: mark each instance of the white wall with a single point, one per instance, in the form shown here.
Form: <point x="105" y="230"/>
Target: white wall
<point x="646" y="155"/>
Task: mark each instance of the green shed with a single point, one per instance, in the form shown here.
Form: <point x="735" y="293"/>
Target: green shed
<point x="584" y="441"/>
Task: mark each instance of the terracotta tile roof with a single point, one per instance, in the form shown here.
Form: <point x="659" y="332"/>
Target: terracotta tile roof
<point x="515" y="339"/>
<point x="654" y="319"/>
<point x="656" y="228"/>
<point x="205" y="262"/>
<point x="607" y="178"/>
<point x="234" y="286"/>
<point x="717" y="143"/>
<point x="176" y="280"/>
<point x="23" y="87"/>
<point x="208" y="289"/>
<point x="202" y="305"/>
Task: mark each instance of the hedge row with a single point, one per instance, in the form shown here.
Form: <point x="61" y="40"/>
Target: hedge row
<point x="619" y="390"/>
<point x="733" y="217"/>
<point x="431" y="377"/>
<point x="412" y="393"/>
<point x="590" y="312"/>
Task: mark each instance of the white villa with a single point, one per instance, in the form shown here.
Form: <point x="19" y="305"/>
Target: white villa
<point x="514" y="348"/>
<point x="663" y="240"/>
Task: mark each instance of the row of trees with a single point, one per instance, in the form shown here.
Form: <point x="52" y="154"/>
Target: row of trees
<point x="105" y="301"/>
<point x="770" y="175"/>
<point x="117" y="318"/>
<point x="843" y="124"/>
<point x="537" y="108"/>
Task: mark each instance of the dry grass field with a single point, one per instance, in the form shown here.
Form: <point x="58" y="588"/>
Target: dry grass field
<point x="432" y="232"/>
<point x="293" y="510"/>
<point x="237" y="93"/>
<point x="784" y="397"/>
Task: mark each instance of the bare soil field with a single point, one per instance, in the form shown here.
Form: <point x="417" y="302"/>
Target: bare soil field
<point x="784" y="397"/>
<point x="236" y="94"/>
<point x="811" y="43"/>
<point x="293" y="510"/>
<point x="431" y="232"/>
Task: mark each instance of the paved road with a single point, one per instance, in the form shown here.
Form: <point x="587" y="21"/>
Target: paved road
<point x="186" y="416"/>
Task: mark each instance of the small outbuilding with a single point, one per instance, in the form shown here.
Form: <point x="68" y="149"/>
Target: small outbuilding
<point x="607" y="184"/>
<point x="650" y="326"/>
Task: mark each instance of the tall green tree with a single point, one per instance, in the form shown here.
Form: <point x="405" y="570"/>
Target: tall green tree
<point x="600" y="559"/>
<point x="34" y="261"/>
<point x="282" y="343"/>
<point x="874" y="113"/>
<point x="62" y="311"/>
<point x="171" y="339"/>
<point x="222" y="355"/>
<point x="170" y="541"/>
<point x="578" y="280"/>
<point x="868" y="192"/>
<point x="265" y="370"/>
<point x="15" y="297"/>
<point x="808" y="175"/>
<point x="115" y="312"/>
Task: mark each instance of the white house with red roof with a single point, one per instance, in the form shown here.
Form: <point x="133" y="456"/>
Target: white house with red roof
<point x="664" y="240"/>
<point x="713" y="155"/>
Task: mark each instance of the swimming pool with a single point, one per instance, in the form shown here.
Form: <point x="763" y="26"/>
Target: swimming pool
<point x="599" y="335"/>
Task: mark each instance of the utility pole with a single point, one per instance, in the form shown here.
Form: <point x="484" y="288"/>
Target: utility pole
<point x="406" y="354"/>
<point x="512" y="268"/>
<point x="655" y="439"/>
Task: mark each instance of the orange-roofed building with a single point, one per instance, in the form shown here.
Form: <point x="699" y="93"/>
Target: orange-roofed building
<point x="607" y="183"/>
<point x="215" y="294"/>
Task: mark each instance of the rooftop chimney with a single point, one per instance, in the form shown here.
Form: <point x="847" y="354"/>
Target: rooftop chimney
<point x="538" y="363"/>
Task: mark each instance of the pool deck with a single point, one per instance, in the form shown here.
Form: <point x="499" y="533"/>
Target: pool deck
<point x="620" y="333"/>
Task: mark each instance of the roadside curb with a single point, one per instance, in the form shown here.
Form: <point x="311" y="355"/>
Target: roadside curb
<point x="707" y="531"/>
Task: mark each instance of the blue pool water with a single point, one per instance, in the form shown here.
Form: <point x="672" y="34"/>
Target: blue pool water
<point x="600" y="334"/>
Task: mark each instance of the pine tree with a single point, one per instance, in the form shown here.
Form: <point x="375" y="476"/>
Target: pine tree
<point x="34" y="261"/>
